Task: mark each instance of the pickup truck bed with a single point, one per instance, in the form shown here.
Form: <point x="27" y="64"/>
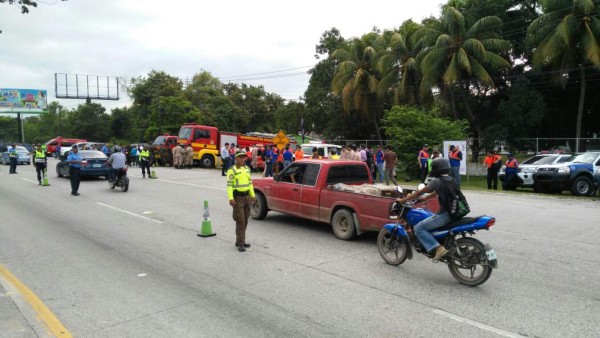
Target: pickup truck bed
<point x="306" y="189"/>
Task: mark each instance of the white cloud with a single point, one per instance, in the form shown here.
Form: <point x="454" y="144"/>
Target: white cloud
<point x="228" y="38"/>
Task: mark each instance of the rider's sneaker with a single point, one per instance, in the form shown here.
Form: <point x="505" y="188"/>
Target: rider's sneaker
<point x="440" y="252"/>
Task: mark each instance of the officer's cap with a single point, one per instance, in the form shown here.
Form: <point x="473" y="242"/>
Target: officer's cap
<point x="240" y="154"/>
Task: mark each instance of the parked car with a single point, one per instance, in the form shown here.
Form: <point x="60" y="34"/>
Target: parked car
<point x="23" y="158"/>
<point x="82" y="146"/>
<point x="575" y="174"/>
<point x="528" y="167"/>
<point x="323" y="149"/>
<point x="93" y="164"/>
<point x="62" y="142"/>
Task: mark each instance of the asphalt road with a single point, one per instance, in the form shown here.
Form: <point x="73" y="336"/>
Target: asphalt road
<point x="114" y="264"/>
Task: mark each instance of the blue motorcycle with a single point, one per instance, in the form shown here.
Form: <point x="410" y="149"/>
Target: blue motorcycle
<point x="470" y="261"/>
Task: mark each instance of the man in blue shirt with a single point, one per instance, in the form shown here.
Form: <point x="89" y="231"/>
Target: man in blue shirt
<point x="287" y="157"/>
<point x="14" y="157"/>
<point x="379" y="162"/>
<point x="269" y="162"/>
<point x="74" y="160"/>
<point x="105" y="149"/>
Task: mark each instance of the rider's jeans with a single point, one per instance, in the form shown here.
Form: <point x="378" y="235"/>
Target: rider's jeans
<point x="422" y="229"/>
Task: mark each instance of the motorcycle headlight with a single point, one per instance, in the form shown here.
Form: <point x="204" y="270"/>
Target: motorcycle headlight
<point x="564" y="170"/>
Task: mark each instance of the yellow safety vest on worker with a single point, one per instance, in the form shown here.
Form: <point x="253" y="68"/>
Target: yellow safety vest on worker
<point x="40" y="157"/>
<point x="239" y="179"/>
<point x="145" y="155"/>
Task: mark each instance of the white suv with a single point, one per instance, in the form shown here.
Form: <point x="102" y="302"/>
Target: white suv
<point x="323" y="149"/>
<point x="530" y="166"/>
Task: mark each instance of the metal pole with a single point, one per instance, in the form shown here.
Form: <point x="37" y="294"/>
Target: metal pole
<point x="537" y="145"/>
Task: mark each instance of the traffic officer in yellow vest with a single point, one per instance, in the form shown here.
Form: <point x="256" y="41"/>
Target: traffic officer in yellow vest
<point x="241" y="194"/>
<point x="145" y="161"/>
<point x="40" y="162"/>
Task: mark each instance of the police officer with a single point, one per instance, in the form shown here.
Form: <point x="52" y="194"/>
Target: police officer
<point x="240" y="192"/>
<point x="40" y="162"/>
<point x="145" y="161"/>
<point x="13" y="156"/>
<point x="74" y="160"/>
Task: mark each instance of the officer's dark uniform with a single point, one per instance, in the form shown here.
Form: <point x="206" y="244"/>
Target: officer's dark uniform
<point x="240" y="189"/>
<point x="40" y="162"/>
<point x="145" y="162"/>
<point x="13" y="157"/>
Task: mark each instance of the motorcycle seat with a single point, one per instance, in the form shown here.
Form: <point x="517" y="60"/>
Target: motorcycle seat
<point x="464" y="220"/>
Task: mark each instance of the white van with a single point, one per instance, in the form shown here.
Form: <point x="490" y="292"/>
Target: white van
<point x="323" y="148"/>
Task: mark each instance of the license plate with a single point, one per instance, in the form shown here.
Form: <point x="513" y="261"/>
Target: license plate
<point x="97" y="165"/>
<point x="491" y="255"/>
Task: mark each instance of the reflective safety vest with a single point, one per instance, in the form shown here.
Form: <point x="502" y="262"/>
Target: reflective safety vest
<point x="335" y="157"/>
<point x="240" y="181"/>
<point x="145" y="155"/>
<point x="512" y="166"/>
<point x="40" y="156"/>
<point x="424" y="156"/>
<point x="13" y="153"/>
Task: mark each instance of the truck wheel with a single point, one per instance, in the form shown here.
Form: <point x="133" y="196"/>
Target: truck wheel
<point x="207" y="161"/>
<point x="260" y="209"/>
<point x="540" y="188"/>
<point x="343" y="225"/>
<point x="582" y="186"/>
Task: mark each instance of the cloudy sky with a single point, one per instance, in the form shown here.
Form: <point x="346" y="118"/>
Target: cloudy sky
<point x="262" y="42"/>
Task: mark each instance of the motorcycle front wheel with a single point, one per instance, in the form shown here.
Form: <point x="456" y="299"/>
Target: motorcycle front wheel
<point x="392" y="248"/>
<point x="468" y="262"/>
<point x="111" y="184"/>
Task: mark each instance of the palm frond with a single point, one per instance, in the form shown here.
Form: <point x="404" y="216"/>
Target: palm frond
<point x="591" y="48"/>
<point x="484" y="25"/>
<point x="341" y="55"/>
<point x="453" y="21"/>
<point x="496" y="45"/>
<point x="370" y="55"/>
<point x="480" y="73"/>
<point x="452" y="73"/>
<point x="496" y="62"/>
<point x="462" y="61"/>
<point x="474" y="47"/>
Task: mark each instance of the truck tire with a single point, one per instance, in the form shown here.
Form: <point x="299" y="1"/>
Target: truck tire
<point x="582" y="186"/>
<point x="207" y="161"/>
<point x="260" y="209"/>
<point x="343" y="225"/>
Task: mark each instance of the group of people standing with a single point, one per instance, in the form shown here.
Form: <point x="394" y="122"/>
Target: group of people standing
<point x="183" y="156"/>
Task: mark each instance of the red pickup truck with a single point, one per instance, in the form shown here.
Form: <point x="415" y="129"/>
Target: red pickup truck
<point x="311" y="189"/>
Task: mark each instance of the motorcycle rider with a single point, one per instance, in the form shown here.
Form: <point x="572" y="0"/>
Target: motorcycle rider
<point x="117" y="161"/>
<point x="442" y="186"/>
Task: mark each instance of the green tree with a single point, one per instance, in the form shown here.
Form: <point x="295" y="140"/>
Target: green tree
<point x="456" y="56"/>
<point x="566" y="38"/>
<point x="409" y="127"/>
<point x="121" y="124"/>
<point x="90" y="122"/>
<point x="356" y="78"/>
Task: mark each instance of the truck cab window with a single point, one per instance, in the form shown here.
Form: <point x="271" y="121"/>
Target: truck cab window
<point x="201" y="133"/>
<point x="185" y="133"/>
<point x="347" y="174"/>
<point x="293" y="174"/>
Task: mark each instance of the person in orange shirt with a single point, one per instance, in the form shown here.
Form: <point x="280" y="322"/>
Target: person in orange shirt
<point x="492" y="162"/>
<point x="298" y="154"/>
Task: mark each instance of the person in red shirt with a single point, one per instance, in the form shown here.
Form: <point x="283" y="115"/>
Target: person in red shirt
<point x="492" y="162"/>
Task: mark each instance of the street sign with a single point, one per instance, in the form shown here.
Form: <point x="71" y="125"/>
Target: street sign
<point x="280" y="140"/>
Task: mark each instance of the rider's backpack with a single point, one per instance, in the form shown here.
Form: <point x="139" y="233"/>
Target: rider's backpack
<point x="458" y="206"/>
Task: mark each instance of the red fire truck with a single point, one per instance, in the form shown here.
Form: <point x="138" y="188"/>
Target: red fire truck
<point x="207" y="141"/>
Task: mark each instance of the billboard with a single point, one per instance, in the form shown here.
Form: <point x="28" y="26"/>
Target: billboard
<point x="23" y="100"/>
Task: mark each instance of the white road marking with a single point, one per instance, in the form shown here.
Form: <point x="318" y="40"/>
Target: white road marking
<point x="482" y="326"/>
<point x="130" y="213"/>
<point x="28" y="180"/>
<point x="192" y="184"/>
<point x="141" y="275"/>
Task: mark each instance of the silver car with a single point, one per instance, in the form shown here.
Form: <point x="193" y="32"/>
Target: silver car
<point x="530" y="166"/>
<point x="23" y="157"/>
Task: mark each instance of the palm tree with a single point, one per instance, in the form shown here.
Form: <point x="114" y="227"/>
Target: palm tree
<point x="454" y="57"/>
<point x="399" y="67"/>
<point x="356" y="78"/>
<point x="566" y="37"/>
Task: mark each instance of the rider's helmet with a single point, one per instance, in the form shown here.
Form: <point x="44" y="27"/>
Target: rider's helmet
<point x="116" y="149"/>
<point x="439" y="166"/>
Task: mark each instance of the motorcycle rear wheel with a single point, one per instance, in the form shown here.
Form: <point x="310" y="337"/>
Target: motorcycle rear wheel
<point x="471" y="267"/>
<point x="392" y="248"/>
<point x="125" y="184"/>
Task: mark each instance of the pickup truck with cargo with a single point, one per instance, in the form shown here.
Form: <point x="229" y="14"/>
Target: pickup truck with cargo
<point x="339" y="193"/>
